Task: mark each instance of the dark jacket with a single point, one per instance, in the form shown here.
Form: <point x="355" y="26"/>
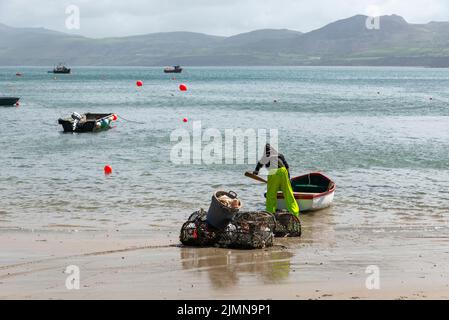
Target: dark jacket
<point x="272" y="156"/>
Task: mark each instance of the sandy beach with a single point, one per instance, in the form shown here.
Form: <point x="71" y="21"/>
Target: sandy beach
<point x="329" y="262"/>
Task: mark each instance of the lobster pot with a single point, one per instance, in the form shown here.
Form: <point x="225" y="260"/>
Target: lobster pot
<point x="287" y="225"/>
<point x="197" y="232"/>
<point x="249" y="230"/>
<point x="220" y="215"/>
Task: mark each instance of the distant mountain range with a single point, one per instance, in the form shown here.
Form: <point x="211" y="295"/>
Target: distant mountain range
<point x="344" y="42"/>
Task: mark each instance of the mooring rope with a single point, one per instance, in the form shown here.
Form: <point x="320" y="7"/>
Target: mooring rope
<point x="132" y="121"/>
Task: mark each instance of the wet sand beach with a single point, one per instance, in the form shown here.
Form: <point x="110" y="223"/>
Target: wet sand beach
<point x="328" y="262"/>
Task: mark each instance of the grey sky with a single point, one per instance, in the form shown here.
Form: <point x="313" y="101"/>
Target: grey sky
<point x="104" y="18"/>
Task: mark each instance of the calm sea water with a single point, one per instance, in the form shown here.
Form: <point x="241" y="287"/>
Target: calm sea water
<point x="375" y="131"/>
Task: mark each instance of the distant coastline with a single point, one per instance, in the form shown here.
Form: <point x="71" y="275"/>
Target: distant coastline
<point x="75" y="67"/>
<point x="347" y="42"/>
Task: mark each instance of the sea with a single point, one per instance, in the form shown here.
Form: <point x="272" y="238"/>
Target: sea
<point x="381" y="133"/>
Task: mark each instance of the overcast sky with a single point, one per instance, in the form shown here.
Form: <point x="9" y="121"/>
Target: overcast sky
<point x="105" y="18"/>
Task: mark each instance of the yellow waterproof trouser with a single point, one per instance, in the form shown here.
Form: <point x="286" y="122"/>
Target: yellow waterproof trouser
<point x="278" y="180"/>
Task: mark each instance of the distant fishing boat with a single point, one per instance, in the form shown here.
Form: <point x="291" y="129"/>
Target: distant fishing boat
<point x="89" y="122"/>
<point x="61" y="69"/>
<point x="8" y="101"/>
<point x="174" y="69"/>
<point x="313" y="191"/>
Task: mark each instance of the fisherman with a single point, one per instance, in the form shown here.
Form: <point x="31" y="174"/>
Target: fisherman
<point x="278" y="180"/>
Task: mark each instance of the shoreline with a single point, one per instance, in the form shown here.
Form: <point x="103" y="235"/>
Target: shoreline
<point x="238" y="66"/>
<point x="327" y="263"/>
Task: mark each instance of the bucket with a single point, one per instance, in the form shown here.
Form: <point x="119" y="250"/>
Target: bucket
<point x="220" y="215"/>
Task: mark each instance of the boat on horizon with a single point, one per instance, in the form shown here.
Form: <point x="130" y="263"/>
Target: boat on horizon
<point x="313" y="191"/>
<point x="8" y="101"/>
<point x="61" y="69"/>
<point x="174" y="69"/>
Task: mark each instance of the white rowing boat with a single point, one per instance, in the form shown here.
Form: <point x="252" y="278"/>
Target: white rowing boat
<point x="313" y="191"/>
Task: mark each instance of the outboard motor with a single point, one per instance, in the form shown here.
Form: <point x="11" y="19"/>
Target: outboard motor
<point x="76" y="119"/>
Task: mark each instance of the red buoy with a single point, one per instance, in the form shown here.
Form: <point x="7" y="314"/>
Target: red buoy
<point x="182" y="87"/>
<point x="185" y="120"/>
<point x="107" y="170"/>
<point x="139" y="83"/>
<point x="114" y="117"/>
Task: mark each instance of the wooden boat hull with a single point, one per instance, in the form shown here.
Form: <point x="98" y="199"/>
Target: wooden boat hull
<point x="312" y="192"/>
<point x="176" y="69"/>
<point x="8" y="101"/>
<point x="173" y="71"/>
<point x="89" y="124"/>
<point x="68" y="71"/>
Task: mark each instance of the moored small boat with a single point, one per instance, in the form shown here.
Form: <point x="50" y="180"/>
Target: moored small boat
<point x="174" y="69"/>
<point x="61" y="69"/>
<point x="89" y="122"/>
<point x="8" y="101"/>
<point x="313" y="191"/>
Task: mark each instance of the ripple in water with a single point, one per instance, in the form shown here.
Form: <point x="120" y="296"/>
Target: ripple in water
<point x="387" y="152"/>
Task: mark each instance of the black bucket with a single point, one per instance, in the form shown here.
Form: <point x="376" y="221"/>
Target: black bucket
<point x="219" y="215"/>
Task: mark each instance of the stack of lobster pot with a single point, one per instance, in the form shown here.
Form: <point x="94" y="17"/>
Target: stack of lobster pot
<point x="223" y="225"/>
